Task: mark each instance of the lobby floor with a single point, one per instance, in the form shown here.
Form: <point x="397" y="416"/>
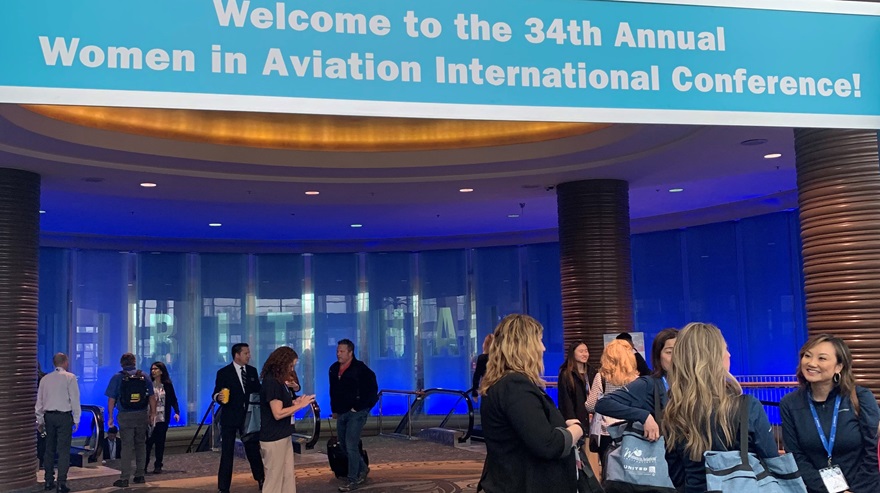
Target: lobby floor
<point x="396" y="465"/>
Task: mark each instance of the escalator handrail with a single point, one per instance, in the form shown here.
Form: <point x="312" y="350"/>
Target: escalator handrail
<point x="420" y="397"/>
<point x="310" y="444"/>
<point x="98" y="424"/>
<point x="201" y="424"/>
<point x="316" y="434"/>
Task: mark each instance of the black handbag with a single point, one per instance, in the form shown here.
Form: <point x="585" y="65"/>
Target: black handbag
<point x="587" y="482"/>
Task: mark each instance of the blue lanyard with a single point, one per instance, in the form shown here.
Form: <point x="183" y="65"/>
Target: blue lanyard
<point x="828" y="443"/>
<point x="665" y="383"/>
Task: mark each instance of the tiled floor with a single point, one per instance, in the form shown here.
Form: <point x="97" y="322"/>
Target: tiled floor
<point x="396" y="466"/>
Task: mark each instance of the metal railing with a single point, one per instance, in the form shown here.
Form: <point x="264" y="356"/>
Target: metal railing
<point x="211" y="439"/>
<point x="416" y="405"/>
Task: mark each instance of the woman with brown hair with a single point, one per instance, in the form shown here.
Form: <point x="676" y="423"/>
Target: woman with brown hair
<point x="575" y="375"/>
<point x="277" y="407"/>
<point x="830" y="422"/>
<point x="529" y="445"/>
<point x="618" y="368"/>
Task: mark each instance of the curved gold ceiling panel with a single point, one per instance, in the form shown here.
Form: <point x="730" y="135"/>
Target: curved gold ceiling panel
<point x="313" y="132"/>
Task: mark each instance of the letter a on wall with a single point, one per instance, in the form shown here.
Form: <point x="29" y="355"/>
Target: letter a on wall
<point x="445" y="334"/>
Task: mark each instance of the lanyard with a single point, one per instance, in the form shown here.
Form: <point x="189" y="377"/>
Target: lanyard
<point x="828" y="443"/>
<point x="665" y="383"/>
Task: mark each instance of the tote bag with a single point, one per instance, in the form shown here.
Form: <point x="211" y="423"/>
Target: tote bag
<point x="252" y="419"/>
<point x="738" y="471"/>
<point x="635" y="464"/>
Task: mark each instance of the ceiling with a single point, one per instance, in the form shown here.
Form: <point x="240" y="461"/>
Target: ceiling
<point x="405" y="196"/>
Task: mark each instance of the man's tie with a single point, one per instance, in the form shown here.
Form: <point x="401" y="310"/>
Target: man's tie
<point x="243" y="380"/>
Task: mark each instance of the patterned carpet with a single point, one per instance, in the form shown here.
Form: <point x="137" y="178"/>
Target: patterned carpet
<point x="396" y="466"/>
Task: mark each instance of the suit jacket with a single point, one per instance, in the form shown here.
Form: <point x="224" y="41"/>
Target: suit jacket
<point x="118" y="452"/>
<point x="235" y="410"/>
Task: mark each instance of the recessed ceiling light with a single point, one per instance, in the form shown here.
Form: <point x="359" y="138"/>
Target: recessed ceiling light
<point x="512" y="215"/>
<point x="148" y="184"/>
<point x="215" y="225"/>
<point x="753" y="142"/>
<point x="676" y="190"/>
<point x="42" y="212"/>
<point x="772" y="156"/>
<point x="357" y="225"/>
<point x="465" y="190"/>
<point x="313" y="192"/>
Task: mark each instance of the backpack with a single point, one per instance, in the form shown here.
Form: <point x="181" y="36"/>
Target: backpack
<point x="133" y="392"/>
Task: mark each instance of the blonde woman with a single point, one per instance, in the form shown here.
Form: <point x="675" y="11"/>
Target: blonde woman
<point x="704" y="402"/>
<point x="618" y="368"/>
<point x="529" y="445"/>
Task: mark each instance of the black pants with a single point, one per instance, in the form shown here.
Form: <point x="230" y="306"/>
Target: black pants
<point x="227" y="454"/>
<point x="59" y="429"/>
<point x="157" y="439"/>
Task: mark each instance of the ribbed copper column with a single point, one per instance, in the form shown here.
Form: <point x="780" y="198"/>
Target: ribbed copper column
<point x="596" y="266"/>
<point x="839" y="194"/>
<point x="19" y="247"/>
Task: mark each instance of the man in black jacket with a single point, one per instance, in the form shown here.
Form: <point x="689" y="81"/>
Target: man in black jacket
<point x="353" y="392"/>
<point x="234" y="383"/>
<point x="641" y="364"/>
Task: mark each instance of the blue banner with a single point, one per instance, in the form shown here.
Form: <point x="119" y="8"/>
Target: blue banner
<point x="554" y="60"/>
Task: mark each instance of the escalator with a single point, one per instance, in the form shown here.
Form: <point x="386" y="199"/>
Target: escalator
<point x="86" y="445"/>
<point x="307" y="434"/>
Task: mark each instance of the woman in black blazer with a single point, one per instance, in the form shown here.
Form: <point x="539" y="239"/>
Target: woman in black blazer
<point x="166" y="400"/>
<point x="529" y="445"/>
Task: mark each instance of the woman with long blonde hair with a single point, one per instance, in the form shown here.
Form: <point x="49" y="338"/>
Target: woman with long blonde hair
<point x="704" y="403"/>
<point x="529" y="445"/>
<point x="618" y="369"/>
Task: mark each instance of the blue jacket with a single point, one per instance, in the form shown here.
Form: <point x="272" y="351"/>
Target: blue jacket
<point x="854" y="449"/>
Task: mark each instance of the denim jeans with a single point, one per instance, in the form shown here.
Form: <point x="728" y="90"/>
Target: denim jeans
<point x="350" y="425"/>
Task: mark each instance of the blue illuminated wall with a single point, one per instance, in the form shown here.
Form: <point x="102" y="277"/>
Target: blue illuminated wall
<point x="418" y="319"/>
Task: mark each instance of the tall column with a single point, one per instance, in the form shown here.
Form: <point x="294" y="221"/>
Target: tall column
<point x="596" y="265"/>
<point x="838" y="174"/>
<point x="19" y="247"/>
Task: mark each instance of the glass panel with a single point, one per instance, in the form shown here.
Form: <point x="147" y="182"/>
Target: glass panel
<point x="775" y="326"/>
<point x="713" y="284"/>
<point x="101" y="320"/>
<point x="545" y="299"/>
<point x="658" y="285"/>
<point x="54" y="319"/>
<point x="164" y="322"/>
<point x="223" y="278"/>
<point x="444" y="312"/>
<point x="279" y="312"/>
<point x="391" y="325"/>
<point x="336" y="316"/>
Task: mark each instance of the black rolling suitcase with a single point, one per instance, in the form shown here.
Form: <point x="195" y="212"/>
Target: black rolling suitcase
<point x="336" y="456"/>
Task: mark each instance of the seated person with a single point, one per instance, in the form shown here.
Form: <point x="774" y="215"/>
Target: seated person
<point x="112" y="444"/>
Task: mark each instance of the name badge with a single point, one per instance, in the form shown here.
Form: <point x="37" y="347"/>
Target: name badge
<point x="833" y="479"/>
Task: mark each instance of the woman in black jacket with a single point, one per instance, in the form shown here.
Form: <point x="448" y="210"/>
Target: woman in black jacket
<point x="828" y="387"/>
<point x="166" y="400"/>
<point x="529" y="445"/>
<point x="573" y="383"/>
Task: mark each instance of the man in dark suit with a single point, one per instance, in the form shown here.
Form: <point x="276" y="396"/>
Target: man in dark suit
<point x="112" y="444"/>
<point x="641" y="364"/>
<point x="234" y="383"/>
